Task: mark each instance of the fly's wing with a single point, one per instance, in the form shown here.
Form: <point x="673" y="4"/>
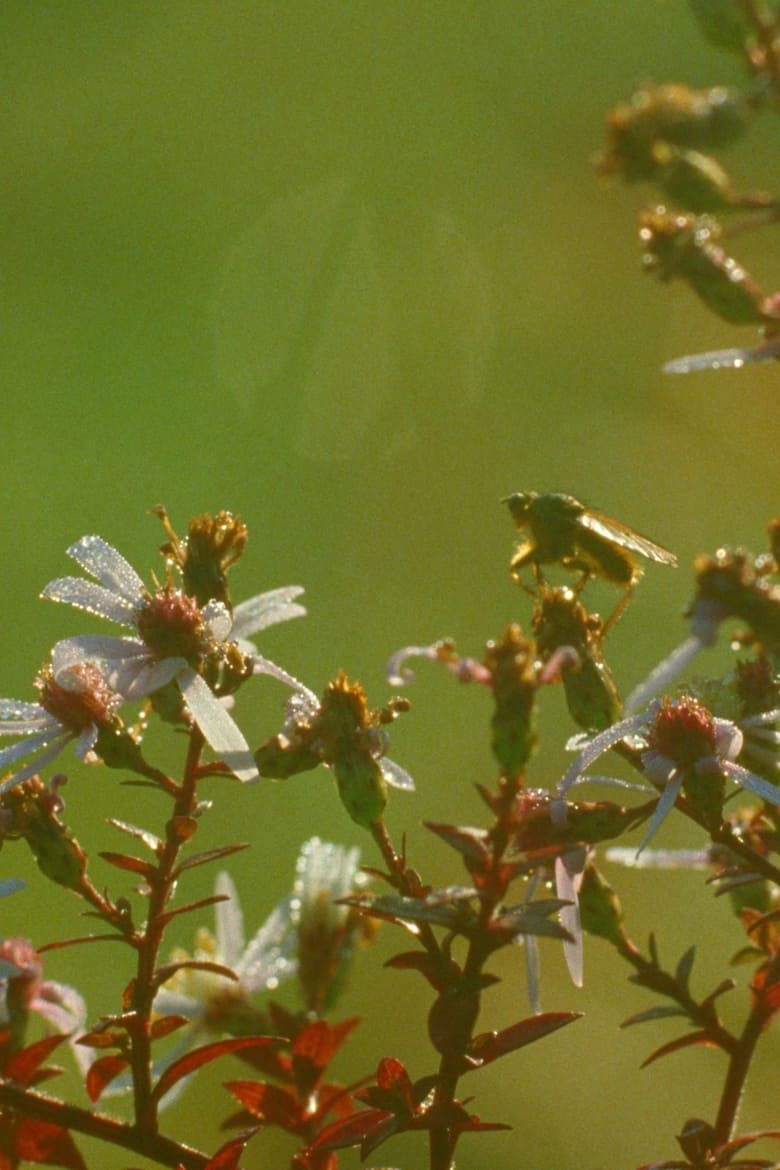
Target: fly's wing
<point x="725" y="359"/>
<point x="620" y="534"/>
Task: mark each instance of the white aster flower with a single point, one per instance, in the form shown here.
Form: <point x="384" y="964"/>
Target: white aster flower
<point x="326" y="930"/>
<point x="681" y="739"/>
<point x="73" y="707"/>
<point x="171" y="637"/>
<point x="212" y="1002"/>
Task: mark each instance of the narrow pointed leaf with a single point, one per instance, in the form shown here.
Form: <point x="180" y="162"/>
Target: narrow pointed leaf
<point x="150" y="840"/>
<point x="23" y="1065"/>
<point x="132" y="864"/>
<point x="691" y="1040"/>
<point x="228" y="1155"/>
<point x="683" y="972"/>
<point x="491" y="1045"/>
<point x="209" y="855"/>
<point x="39" y="1141"/>
<point x="102" y="1072"/>
<point x="661" y="1012"/>
<point x="205" y="1055"/>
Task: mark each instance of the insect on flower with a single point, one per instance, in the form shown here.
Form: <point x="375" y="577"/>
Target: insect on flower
<point x="563" y="531"/>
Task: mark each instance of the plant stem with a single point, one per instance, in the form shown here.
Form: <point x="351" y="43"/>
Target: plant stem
<point x="162" y="1150"/>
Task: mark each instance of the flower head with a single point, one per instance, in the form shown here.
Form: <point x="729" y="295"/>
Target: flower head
<point x="212" y="1001"/>
<point x="174" y="639"/>
<point x="327" y="931"/>
<point x="685" y="749"/>
<point x="73" y="706"/>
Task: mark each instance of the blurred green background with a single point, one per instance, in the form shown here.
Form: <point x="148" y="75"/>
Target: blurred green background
<point x="345" y="269"/>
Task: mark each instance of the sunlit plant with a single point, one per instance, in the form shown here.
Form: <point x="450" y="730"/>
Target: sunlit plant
<point x="263" y="1005"/>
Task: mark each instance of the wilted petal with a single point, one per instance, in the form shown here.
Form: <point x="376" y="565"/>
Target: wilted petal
<point x="102" y="561"/>
<point x="219" y="730"/>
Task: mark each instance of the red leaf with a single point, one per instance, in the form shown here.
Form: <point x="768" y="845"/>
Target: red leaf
<point x="23" y="1066"/>
<point x="692" y="1039"/>
<point x="208" y="855"/>
<point x="228" y="1155"/>
<point x="471" y="843"/>
<point x="164" y="1025"/>
<point x="204" y="1055"/>
<point x="269" y="1103"/>
<point x="163" y="974"/>
<point x="428" y="965"/>
<point x="313" y="1049"/>
<point x="134" y="864"/>
<point x="491" y="1045"/>
<point x="164" y="919"/>
<point x="352" y="1131"/>
<point x="42" y="1141"/>
<point x="102" y="1072"/>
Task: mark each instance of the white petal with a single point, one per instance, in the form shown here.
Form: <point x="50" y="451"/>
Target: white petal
<point x="597" y="746"/>
<point x="219" y="730"/>
<point x="35" y="765"/>
<point x="34" y="718"/>
<point x="567" y="883"/>
<point x="86" y="741"/>
<point x="269" y="956"/>
<point x="102" y="561"/>
<point x="91" y="598"/>
<point x="26" y="747"/>
<point x="752" y="782"/>
<point x="25" y="712"/>
<point x="266" y="609"/>
<point x="174" y="1003"/>
<point x="663" y="808"/>
<point x="263" y="665"/>
<point x="664" y="673"/>
<point x="229" y="922"/>
<point x="394" y="774"/>
<point x="100" y="648"/>
<point x="216" y="617"/>
<point x="141" y="677"/>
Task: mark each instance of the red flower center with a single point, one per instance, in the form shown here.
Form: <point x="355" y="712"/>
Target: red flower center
<point x="171" y="625"/>
<point x="89" y="700"/>
<point x="683" y="731"/>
